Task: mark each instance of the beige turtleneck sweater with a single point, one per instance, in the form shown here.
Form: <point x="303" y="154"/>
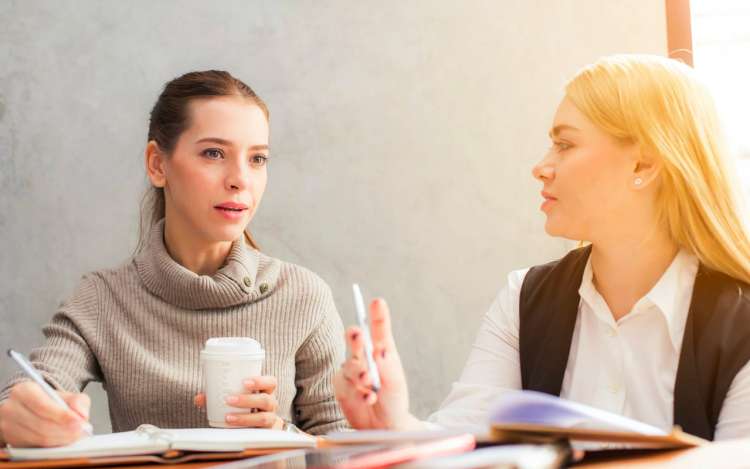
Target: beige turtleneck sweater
<point x="139" y="330"/>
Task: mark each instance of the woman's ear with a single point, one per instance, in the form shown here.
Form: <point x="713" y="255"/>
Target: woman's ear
<point x="645" y="171"/>
<point x="155" y="164"/>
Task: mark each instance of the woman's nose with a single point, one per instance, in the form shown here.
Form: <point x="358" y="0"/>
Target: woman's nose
<point x="238" y="178"/>
<point x="543" y="170"/>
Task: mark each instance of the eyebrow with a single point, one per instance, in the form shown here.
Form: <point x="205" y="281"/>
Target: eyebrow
<point x="221" y="141"/>
<point x="559" y="128"/>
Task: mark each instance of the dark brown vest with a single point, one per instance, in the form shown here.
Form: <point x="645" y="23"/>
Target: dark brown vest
<point x="715" y="345"/>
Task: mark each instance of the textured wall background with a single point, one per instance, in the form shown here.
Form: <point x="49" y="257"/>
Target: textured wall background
<point x="403" y="135"/>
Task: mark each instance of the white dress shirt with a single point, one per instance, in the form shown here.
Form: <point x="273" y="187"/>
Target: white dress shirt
<point x="626" y="367"/>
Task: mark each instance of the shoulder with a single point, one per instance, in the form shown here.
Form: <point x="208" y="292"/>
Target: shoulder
<point x="309" y="297"/>
<point x="297" y="277"/>
<point x="739" y="288"/>
<point x="503" y="312"/>
<point x="100" y="287"/>
<point x="731" y="294"/>
<point x="520" y="282"/>
<point x="83" y="304"/>
<point x="517" y="278"/>
<point x="114" y="278"/>
<point x="298" y="284"/>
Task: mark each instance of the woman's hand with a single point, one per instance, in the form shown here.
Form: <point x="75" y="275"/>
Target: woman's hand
<point x="365" y="409"/>
<point x="29" y="417"/>
<point x="258" y="404"/>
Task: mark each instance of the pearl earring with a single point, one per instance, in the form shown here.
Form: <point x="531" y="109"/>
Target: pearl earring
<point x="638" y="181"/>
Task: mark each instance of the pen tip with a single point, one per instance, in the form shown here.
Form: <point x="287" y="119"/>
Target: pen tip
<point x="10" y="352"/>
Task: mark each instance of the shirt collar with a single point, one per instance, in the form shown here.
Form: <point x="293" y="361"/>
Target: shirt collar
<point x="671" y="295"/>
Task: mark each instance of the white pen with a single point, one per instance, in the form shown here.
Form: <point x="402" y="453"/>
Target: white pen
<point x="32" y="373"/>
<point x="359" y="305"/>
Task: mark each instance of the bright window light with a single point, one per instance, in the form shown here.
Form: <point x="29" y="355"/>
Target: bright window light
<point x="721" y="54"/>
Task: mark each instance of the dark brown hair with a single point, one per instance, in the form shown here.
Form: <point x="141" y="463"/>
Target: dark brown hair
<point x="170" y="117"/>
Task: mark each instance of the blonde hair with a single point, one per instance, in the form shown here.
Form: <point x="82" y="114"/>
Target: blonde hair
<point x="660" y="105"/>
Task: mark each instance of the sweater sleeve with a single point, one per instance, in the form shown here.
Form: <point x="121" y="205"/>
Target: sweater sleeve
<point x="66" y="361"/>
<point x="315" y="407"/>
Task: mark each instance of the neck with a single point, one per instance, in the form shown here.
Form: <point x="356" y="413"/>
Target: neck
<point x="192" y="252"/>
<point x="626" y="270"/>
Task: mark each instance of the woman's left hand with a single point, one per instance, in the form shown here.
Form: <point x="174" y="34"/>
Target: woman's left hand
<point x="256" y="406"/>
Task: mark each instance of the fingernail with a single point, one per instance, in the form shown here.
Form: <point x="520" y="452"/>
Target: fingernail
<point x="231" y="418"/>
<point x="249" y="382"/>
<point x="232" y="399"/>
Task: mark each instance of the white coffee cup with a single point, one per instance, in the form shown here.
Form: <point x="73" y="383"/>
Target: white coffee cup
<point x="226" y="363"/>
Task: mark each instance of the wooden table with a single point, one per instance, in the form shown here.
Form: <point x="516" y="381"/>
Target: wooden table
<point x="732" y="454"/>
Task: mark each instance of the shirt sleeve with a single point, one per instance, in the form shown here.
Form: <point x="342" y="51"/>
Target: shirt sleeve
<point x="65" y="360"/>
<point x="316" y="410"/>
<point x="734" y="418"/>
<point x="493" y="365"/>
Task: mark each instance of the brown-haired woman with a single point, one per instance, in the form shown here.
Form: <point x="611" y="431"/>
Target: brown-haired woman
<point x="197" y="273"/>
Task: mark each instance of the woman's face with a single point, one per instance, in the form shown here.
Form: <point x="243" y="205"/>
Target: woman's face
<point x="216" y="175"/>
<point x="589" y="178"/>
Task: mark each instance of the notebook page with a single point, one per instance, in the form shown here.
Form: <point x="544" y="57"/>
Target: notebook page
<point x="112" y="444"/>
<point x="236" y="439"/>
<point x="543" y="409"/>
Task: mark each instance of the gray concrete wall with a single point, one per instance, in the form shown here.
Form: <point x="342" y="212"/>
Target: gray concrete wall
<point x="403" y="135"/>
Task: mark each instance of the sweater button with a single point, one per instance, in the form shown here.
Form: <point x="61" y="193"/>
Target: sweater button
<point x="263" y="288"/>
<point x="247" y="281"/>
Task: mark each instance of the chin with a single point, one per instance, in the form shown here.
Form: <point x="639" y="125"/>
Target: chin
<point x="226" y="233"/>
<point x="552" y="228"/>
<point x="556" y="229"/>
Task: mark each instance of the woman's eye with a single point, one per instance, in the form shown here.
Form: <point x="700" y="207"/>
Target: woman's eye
<point x="561" y="146"/>
<point x="212" y="153"/>
<point x="259" y="160"/>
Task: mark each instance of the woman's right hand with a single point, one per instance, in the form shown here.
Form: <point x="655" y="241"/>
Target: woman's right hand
<point x="29" y="417"/>
<point x="365" y="409"/>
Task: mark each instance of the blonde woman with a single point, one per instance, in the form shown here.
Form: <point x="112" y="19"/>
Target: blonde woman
<point x="651" y="320"/>
<point x="139" y="328"/>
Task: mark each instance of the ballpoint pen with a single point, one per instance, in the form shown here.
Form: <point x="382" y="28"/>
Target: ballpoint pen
<point x="32" y="373"/>
<point x="359" y="305"/>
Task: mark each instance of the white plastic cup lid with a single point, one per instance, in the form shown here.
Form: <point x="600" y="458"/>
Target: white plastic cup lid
<point x="233" y="345"/>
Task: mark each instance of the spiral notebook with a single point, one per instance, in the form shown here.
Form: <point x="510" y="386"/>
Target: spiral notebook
<point x="148" y="439"/>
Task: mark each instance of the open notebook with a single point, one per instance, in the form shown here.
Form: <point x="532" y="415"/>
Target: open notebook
<point x="535" y="416"/>
<point x="148" y="439"/>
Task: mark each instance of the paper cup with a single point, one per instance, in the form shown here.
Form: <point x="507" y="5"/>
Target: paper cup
<point x="226" y="363"/>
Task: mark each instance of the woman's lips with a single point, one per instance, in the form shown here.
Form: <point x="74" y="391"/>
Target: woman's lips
<point x="548" y="201"/>
<point x="231" y="213"/>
